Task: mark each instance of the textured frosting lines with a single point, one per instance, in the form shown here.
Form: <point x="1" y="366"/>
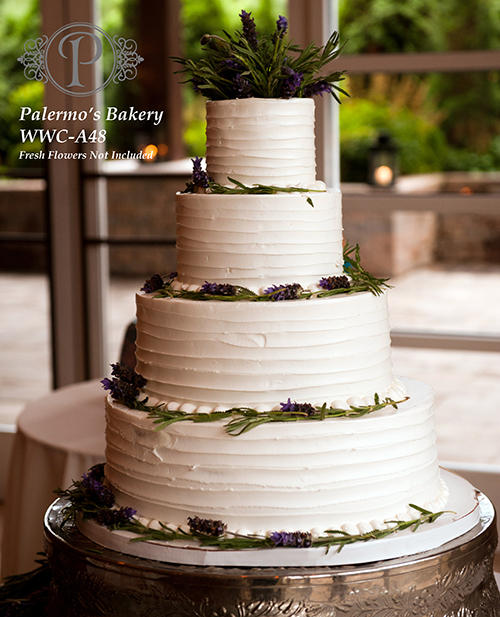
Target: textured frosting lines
<point x="261" y="141"/>
<point x="259" y="354"/>
<point x="258" y="240"/>
<point x="313" y="475"/>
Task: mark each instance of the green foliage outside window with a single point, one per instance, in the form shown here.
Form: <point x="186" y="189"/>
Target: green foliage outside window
<point x="459" y="114"/>
<point x="19" y="21"/>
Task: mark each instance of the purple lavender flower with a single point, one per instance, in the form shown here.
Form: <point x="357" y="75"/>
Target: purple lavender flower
<point x="120" y="391"/>
<point x="200" y="176"/>
<point x="125" y="384"/>
<point x="218" y="289"/>
<point x="292" y="82"/>
<point x="231" y="63"/>
<point x="207" y="526"/>
<point x="288" y="406"/>
<point x="301" y="408"/>
<point x="243" y="88"/>
<point x="281" y="26"/>
<point x="96" y="491"/>
<point x="334" y="282"/>
<point x="281" y="29"/>
<point x="96" y="472"/>
<point x="153" y="284"/>
<point x="128" y="375"/>
<point x="249" y="30"/>
<point x="277" y="293"/>
<point x="296" y="539"/>
<point x="318" y="87"/>
<point x="113" y="518"/>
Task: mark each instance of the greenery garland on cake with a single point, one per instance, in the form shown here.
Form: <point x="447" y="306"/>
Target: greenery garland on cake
<point x="248" y="65"/>
<point x="125" y="387"/>
<point x="90" y="499"/>
<point x="201" y="182"/>
<point x="355" y="280"/>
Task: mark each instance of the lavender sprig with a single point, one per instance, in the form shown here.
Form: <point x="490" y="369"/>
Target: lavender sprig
<point x="334" y="282"/>
<point x="89" y="496"/>
<point x="249" y="29"/>
<point x="292" y="81"/>
<point x="153" y="284"/>
<point x="295" y="539"/>
<point x="200" y="179"/>
<point x="281" y="28"/>
<point x="219" y="289"/>
<point x="125" y="384"/>
<point x="277" y="293"/>
<point x="300" y="408"/>
<point x="207" y="526"/>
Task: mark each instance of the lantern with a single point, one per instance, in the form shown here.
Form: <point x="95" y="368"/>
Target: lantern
<point x="383" y="162"/>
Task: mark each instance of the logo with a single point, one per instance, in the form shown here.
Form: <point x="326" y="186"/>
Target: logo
<point x="65" y="58"/>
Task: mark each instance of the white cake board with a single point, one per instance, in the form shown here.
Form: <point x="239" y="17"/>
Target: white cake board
<point x="463" y="513"/>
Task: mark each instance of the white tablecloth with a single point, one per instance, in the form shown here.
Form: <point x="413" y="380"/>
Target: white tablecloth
<point x="58" y="438"/>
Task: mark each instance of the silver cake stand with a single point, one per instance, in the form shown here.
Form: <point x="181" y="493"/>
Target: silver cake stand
<point x="455" y="580"/>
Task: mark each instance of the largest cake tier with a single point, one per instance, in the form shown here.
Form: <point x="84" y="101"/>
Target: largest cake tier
<point x="288" y="476"/>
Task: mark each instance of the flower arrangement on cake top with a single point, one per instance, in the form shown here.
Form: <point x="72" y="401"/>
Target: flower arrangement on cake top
<point x="248" y="65"/>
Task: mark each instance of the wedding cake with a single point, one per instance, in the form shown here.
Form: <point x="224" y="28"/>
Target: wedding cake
<point x="261" y="456"/>
<point x="269" y="324"/>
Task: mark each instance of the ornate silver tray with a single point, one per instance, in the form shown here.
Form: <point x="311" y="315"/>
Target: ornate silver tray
<point x="455" y="580"/>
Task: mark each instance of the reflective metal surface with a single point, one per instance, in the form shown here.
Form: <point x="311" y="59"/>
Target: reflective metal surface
<point x="455" y="580"/>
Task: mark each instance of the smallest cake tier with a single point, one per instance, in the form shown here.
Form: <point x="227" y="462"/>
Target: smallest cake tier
<point x="354" y="473"/>
<point x="258" y="240"/>
<point x="261" y="141"/>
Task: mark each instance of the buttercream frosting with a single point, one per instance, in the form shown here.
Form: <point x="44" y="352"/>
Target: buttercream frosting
<point x="291" y="476"/>
<point x="258" y="240"/>
<point x="261" y="141"/>
<point x="259" y="354"/>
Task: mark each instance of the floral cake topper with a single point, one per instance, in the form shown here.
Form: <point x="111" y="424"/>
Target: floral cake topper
<point x="248" y="65"/>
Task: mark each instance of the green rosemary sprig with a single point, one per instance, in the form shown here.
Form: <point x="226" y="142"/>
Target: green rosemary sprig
<point x="79" y="503"/>
<point x="361" y="279"/>
<point x="244" y="419"/>
<point x="257" y="189"/>
<point x="337" y="537"/>
<point x="82" y="503"/>
<point x="233" y="541"/>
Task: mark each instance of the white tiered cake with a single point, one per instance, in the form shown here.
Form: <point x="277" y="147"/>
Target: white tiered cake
<point x="205" y="356"/>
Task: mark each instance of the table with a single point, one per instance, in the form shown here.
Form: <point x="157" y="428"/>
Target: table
<point x="454" y="580"/>
<point x="58" y="439"/>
